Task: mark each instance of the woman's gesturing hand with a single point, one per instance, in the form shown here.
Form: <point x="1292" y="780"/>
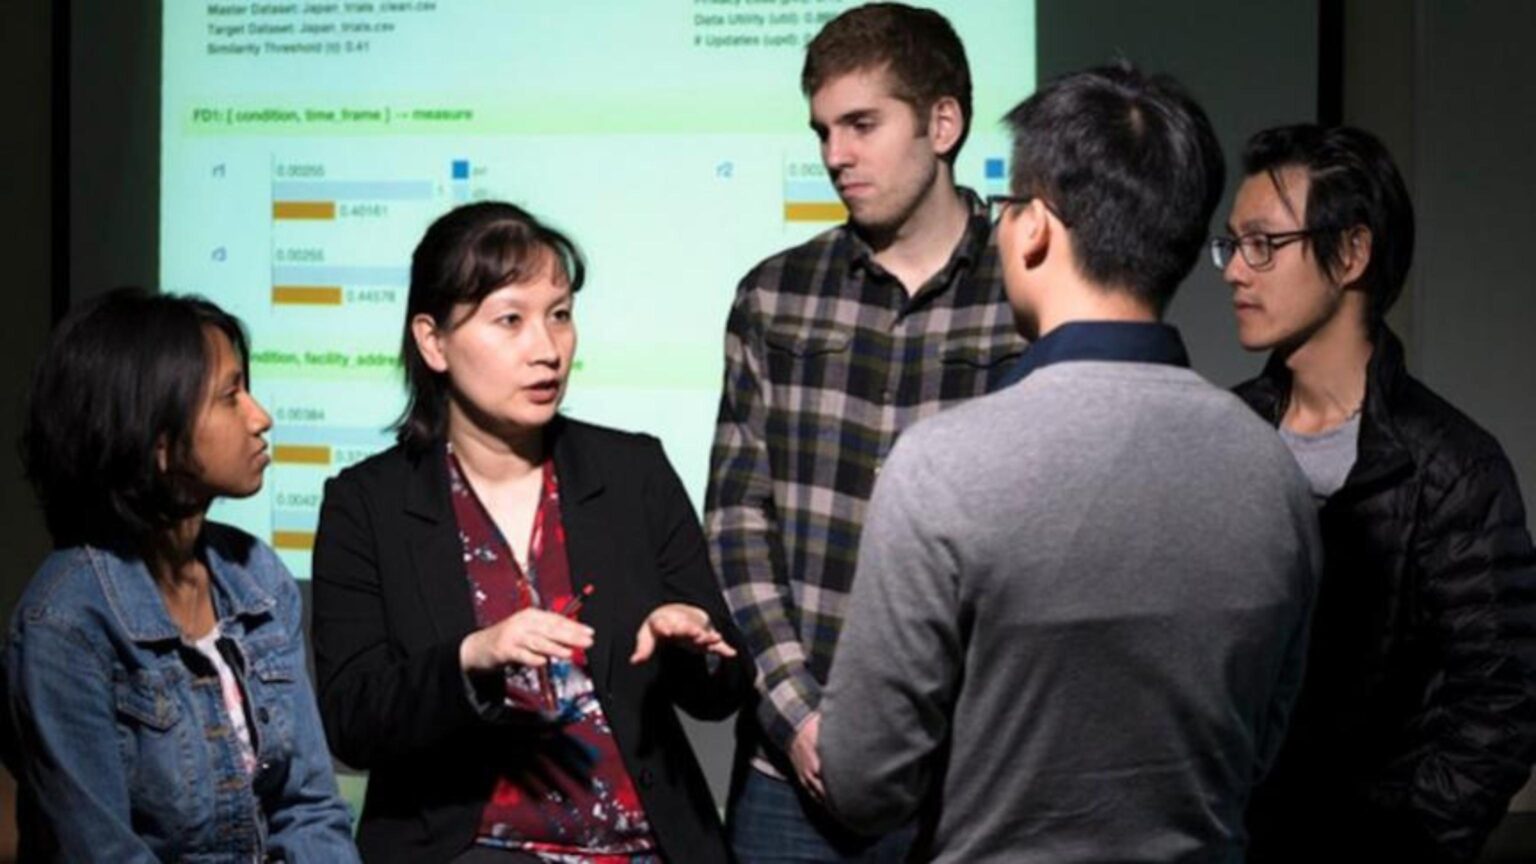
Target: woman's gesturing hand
<point x="680" y="624"/>
<point x="530" y="638"/>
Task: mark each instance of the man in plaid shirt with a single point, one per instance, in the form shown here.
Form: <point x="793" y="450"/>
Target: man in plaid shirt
<point x="831" y="349"/>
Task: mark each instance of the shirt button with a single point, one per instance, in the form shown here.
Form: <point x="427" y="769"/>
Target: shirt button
<point x="878" y="463"/>
<point x="263" y="715"/>
<point x="646" y="778"/>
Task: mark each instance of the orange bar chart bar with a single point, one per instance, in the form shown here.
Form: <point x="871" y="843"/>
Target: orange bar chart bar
<point x="298" y="541"/>
<point x="306" y="295"/>
<point x="315" y="210"/>
<point x="301" y="454"/>
<point x="814" y="211"/>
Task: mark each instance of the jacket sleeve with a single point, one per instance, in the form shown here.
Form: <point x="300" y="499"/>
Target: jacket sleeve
<point x="893" y="685"/>
<point x="743" y="532"/>
<point x="707" y="687"/>
<point x="1478" y="724"/>
<point x="71" y="762"/>
<point x="306" y="818"/>
<point x="376" y="703"/>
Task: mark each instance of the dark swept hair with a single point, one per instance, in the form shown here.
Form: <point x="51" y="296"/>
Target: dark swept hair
<point x="1129" y="162"/>
<point x="465" y="255"/>
<point x="1353" y="183"/>
<point x="918" y="47"/>
<point x="121" y="375"/>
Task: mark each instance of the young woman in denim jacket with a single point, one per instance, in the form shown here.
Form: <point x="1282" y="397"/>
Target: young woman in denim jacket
<point x="156" y="689"/>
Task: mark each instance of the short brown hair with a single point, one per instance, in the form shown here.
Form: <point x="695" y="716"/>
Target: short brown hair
<point x="917" y="47"/>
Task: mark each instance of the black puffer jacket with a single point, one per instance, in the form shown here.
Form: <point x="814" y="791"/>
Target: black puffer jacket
<point x="1417" y="720"/>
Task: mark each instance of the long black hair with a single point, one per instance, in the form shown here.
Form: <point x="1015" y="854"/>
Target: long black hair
<point x="121" y="377"/>
<point x="465" y="255"/>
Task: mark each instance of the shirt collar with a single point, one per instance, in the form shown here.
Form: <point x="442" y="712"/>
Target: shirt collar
<point x="1122" y="341"/>
<point x="973" y="244"/>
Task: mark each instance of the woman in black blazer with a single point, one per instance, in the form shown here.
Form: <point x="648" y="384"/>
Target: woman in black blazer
<point x="508" y="603"/>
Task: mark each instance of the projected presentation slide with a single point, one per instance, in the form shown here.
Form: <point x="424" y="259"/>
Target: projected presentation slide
<point x="306" y="146"/>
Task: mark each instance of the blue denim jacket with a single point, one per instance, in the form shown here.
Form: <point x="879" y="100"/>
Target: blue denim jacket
<point x="126" y="752"/>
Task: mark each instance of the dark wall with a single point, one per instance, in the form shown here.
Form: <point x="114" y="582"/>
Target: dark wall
<point x="114" y="189"/>
<point x="1473" y="118"/>
<point x="1451" y="86"/>
<point x="26" y="214"/>
<point x="26" y="232"/>
<point x="1250" y="65"/>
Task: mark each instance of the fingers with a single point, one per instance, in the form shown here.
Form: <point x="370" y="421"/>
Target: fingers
<point x="524" y="657"/>
<point x="545" y="646"/>
<point x="681" y="624"/>
<point x="645" y="644"/>
<point x="807" y="762"/>
<point x="710" y="640"/>
<point x="559" y="629"/>
<point x="546" y="633"/>
<point x="721" y="648"/>
<point x="812" y="784"/>
<point x="530" y="638"/>
<point x="678" y="621"/>
<point x="533" y="637"/>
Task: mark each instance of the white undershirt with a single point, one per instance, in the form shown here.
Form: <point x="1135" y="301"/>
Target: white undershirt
<point x="234" y="700"/>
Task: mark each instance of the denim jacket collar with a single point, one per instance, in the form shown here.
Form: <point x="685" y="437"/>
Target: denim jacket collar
<point x="136" y="603"/>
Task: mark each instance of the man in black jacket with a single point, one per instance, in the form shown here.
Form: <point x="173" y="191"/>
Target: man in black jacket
<point x="1417" y="719"/>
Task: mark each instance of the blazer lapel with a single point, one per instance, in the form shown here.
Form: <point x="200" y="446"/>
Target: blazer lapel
<point x="432" y="535"/>
<point x="586" y="547"/>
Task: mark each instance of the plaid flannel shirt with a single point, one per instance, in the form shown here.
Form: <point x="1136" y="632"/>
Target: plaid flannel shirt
<point x="827" y="360"/>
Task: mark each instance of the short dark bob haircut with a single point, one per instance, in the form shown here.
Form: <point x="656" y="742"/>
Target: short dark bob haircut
<point x="918" y="48"/>
<point x="1353" y="183"/>
<point x="465" y="255"/>
<point x="1129" y="162"/>
<point x="120" y="375"/>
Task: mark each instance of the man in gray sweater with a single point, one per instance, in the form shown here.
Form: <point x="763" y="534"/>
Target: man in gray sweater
<point x="1080" y="612"/>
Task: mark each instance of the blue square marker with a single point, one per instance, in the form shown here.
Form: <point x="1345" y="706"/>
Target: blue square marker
<point x="461" y="169"/>
<point x="994" y="169"/>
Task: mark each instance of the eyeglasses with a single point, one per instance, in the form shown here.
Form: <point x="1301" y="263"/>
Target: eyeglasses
<point x="996" y="204"/>
<point x="1258" y="248"/>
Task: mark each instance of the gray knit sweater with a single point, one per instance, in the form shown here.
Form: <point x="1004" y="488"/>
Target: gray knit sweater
<point x="1078" y="622"/>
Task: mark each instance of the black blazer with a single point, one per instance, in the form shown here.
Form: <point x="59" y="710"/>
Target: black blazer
<point x="392" y="604"/>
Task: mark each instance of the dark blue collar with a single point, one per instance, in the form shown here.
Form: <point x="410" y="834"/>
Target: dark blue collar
<point x="1124" y="341"/>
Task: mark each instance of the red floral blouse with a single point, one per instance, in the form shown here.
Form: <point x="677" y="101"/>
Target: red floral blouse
<point x="571" y="800"/>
